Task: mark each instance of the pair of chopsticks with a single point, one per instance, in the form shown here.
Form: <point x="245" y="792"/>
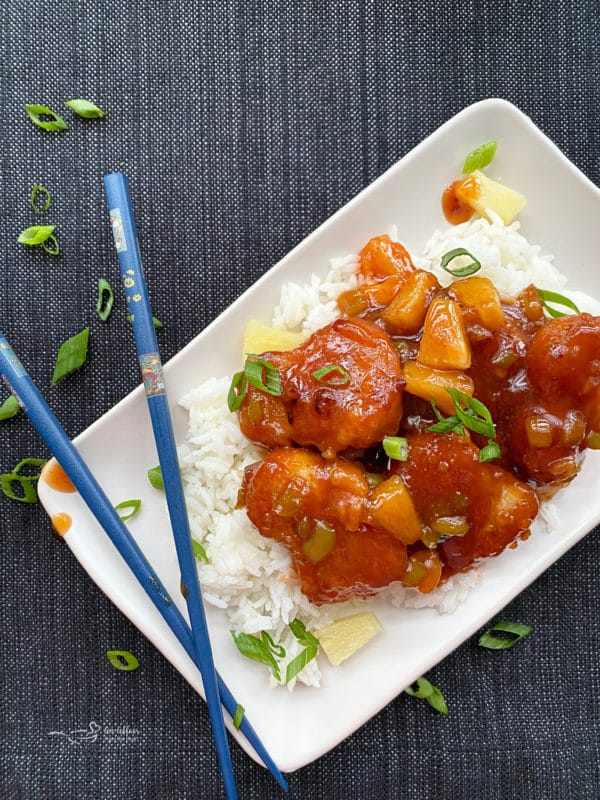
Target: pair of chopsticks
<point x="196" y="643"/>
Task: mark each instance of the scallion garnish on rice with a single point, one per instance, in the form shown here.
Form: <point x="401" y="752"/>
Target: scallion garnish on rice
<point x="266" y="651"/>
<point x="332" y="375"/>
<point x="311" y="648"/>
<point x="396" y="448"/>
<point x="559" y="299"/>
<point x="503" y="635"/>
<point x="470" y="268"/>
<point x="277" y="649"/>
<point x="257" y="650"/>
<point x="199" y="551"/>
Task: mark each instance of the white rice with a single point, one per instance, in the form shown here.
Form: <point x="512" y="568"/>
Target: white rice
<point x="251" y="577"/>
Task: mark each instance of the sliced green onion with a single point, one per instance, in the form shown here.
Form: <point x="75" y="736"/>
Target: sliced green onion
<point x="445" y="424"/>
<point x="448" y="425"/>
<point x="38" y="463"/>
<point x="460" y="272"/>
<point x="503" y="635"/>
<point x="298" y="628"/>
<point x="427" y="691"/>
<point x="254" y="648"/>
<point x="277" y="649"/>
<point x="36" y="234"/>
<point x="155" y="477"/>
<point x="489" y="452"/>
<point x="26" y="482"/>
<point x="238" y="716"/>
<point x="311" y="648"/>
<point x="28" y="493"/>
<point x="254" y="370"/>
<point x="475" y="416"/>
<point x="36" y="112"/>
<point x="199" y="551"/>
<point x="298" y="663"/>
<point x="85" y="109"/>
<point x="51" y="245"/>
<point x="396" y="447"/>
<point x="9" y="408"/>
<point x="39" y="189"/>
<point x="560" y="299"/>
<point x="134" y="505"/>
<point x="481" y="157"/>
<point x="157" y="323"/>
<point x="327" y="375"/>
<point x="123" y="660"/>
<point x="423" y="691"/>
<point x="237" y="391"/>
<point x="72" y="355"/>
<point x="106" y="299"/>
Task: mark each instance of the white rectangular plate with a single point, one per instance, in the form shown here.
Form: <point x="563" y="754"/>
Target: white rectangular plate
<point x="562" y="215"/>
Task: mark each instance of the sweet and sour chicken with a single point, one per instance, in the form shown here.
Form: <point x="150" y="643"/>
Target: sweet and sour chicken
<point x="406" y="356"/>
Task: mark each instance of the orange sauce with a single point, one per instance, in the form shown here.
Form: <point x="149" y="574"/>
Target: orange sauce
<point x="61" y="523"/>
<point x="456" y="210"/>
<point x="55" y="476"/>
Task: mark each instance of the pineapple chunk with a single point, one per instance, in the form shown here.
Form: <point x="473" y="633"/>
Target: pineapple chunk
<point x="480" y="295"/>
<point x="260" y="338"/>
<point x="431" y="384"/>
<point x="392" y="508"/>
<point x="343" y="637"/>
<point x="482" y="193"/>
<point x="445" y="344"/>
<point x="406" y="311"/>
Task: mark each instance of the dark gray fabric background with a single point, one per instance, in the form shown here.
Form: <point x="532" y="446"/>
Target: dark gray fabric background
<point x="242" y="126"/>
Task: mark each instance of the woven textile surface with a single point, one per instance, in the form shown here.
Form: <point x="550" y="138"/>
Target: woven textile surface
<point x="242" y="126"/>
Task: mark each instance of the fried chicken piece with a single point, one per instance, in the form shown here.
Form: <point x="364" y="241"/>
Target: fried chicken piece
<point x="355" y="405"/>
<point x="319" y="509"/>
<point x="473" y="509"/>
<point x="564" y="360"/>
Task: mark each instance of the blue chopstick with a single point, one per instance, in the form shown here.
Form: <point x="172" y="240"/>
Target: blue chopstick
<point x="126" y="242"/>
<point x="59" y="444"/>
